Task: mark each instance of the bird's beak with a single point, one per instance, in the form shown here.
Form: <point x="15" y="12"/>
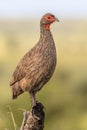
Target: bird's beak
<point x="56" y="19"/>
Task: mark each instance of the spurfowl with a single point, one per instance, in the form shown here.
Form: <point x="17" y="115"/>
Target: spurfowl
<point x="37" y="66"/>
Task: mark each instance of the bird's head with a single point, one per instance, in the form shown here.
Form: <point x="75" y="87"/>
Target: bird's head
<point x="47" y="19"/>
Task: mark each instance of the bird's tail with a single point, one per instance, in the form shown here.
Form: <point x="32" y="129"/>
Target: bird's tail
<point x="14" y="96"/>
<point x="16" y="91"/>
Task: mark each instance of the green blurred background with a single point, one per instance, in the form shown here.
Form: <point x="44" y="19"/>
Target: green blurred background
<point x="65" y="96"/>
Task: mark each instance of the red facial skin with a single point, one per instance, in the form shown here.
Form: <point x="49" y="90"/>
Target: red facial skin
<point x="50" y="19"/>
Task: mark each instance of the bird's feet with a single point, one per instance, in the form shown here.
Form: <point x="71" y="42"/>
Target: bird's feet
<point x="34" y="102"/>
<point x="37" y="111"/>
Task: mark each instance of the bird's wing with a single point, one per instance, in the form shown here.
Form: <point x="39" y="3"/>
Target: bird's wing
<point x="18" y="74"/>
<point x="21" y="68"/>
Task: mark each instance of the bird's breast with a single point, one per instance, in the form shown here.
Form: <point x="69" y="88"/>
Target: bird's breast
<point x="48" y="58"/>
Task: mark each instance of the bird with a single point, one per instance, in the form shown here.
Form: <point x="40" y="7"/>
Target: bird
<point x="37" y="66"/>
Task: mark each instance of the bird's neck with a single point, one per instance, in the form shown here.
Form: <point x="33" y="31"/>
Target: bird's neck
<point x="45" y="31"/>
<point x="46" y="38"/>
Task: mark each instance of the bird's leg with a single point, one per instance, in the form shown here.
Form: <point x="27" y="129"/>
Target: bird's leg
<point x="33" y="99"/>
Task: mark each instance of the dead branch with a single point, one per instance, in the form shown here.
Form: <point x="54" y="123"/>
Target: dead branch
<point x="34" y="119"/>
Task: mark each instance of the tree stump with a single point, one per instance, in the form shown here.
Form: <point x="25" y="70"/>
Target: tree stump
<point x="34" y="119"/>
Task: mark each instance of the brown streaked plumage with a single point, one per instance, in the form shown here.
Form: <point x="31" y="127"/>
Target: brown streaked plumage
<point x="38" y="65"/>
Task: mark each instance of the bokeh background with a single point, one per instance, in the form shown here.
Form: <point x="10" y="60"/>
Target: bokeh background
<point x="65" y="96"/>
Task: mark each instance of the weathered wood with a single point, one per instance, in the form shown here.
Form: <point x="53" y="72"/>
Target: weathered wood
<point x="34" y="119"/>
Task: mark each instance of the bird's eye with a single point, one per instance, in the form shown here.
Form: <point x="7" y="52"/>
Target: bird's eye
<point x="48" y="17"/>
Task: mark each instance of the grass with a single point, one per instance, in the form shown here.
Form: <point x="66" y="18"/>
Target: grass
<point x="65" y="96"/>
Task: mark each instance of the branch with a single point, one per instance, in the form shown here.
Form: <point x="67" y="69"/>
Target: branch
<point x="34" y="119"/>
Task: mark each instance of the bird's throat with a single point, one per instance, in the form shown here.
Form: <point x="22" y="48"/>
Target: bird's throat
<point x="47" y="26"/>
<point x="44" y="31"/>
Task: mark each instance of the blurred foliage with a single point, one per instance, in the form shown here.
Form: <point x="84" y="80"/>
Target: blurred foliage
<point x="65" y="96"/>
